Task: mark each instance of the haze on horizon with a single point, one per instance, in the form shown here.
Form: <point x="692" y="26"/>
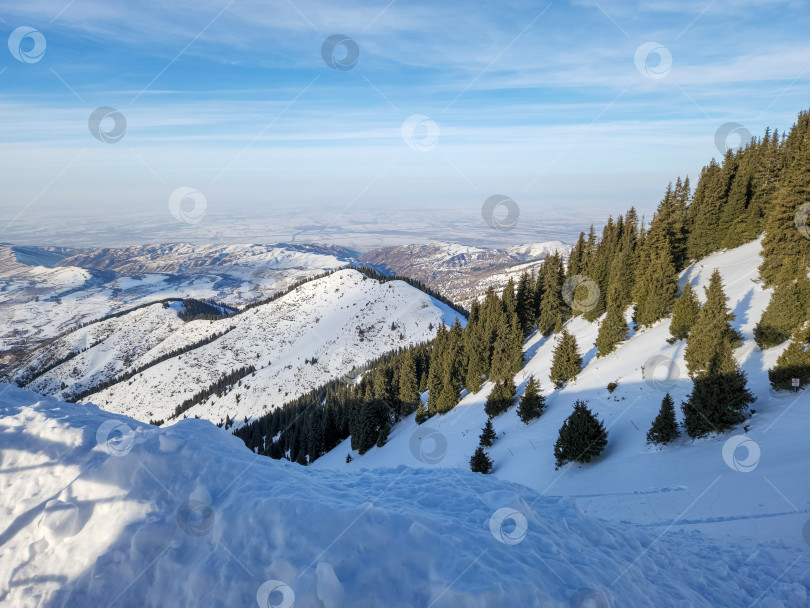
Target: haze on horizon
<point x="237" y="119"/>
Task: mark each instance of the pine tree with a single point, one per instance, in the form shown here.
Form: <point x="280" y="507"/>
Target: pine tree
<point x="717" y="403"/>
<point x="788" y="308"/>
<point x="408" y="384"/>
<point x="612" y="330"/>
<point x="480" y="461"/>
<point x="450" y="364"/>
<point x="558" y="325"/>
<point x="436" y="374"/>
<point x="507" y="353"/>
<point x="712" y="330"/>
<point x="684" y="313"/>
<point x="664" y="428"/>
<point x="476" y="350"/>
<point x="421" y="415"/>
<point x="656" y="281"/>
<point x="501" y="397"/>
<point x="794" y="362"/>
<point x="705" y="212"/>
<point x="488" y="435"/>
<point x="786" y="250"/>
<point x="620" y="280"/>
<point x="567" y="361"/>
<point x="552" y="304"/>
<point x="582" y="437"/>
<point x="532" y="403"/>
<point x="525" y="302"/>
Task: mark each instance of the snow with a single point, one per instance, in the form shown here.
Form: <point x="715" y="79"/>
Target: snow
<point x="40" y="302"/>
<point x="100" y="510"/>
<point x="321" y="319"/>
<point x="702" y="486"/>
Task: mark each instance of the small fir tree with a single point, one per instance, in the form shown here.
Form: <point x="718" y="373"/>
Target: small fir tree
<point x="794" y="362"/>
<point x="582" y="437"/>
<point x="788" y="308"/>
<point x="664" y="428"/>
<point x="532" y="403"/>
<point x="567" y="361"/>
<point x="712" y="330"/>
<point x="612" y="331"/>
<point x="421" y="415"/>
<point x="719" y="398"/>
<point x="488" y="435"/>
<point x="480" y="461"/>
<point x="501" y="397"/>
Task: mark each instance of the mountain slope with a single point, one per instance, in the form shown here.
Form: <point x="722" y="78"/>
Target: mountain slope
<point x="100" y="510"/>
<point x="461" y="272"/>
<point x="684" y="486"/>
<point x="317" y="332"/>
<point x="47" y="291"/>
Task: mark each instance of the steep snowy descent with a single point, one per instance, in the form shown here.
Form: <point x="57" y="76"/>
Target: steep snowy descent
<point x="100" y="510"/>
<point x="715" y="485"/>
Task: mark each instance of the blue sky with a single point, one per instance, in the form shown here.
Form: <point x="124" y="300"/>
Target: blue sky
<point x="549" y="103"/>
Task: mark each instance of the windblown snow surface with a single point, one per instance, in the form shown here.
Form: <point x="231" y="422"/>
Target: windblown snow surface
<point x="100" y="510"/>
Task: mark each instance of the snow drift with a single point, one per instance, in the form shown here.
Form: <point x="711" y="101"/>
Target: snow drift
<point x="100" y="510"/>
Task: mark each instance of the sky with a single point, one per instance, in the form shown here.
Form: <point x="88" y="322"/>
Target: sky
<point x="260" y="121"/>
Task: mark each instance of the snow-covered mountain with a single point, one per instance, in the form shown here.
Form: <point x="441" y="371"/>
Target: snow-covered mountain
<point x="100" y="510"/>
<point x="317" y="332"/>
<point x="47" y="291"/>
<point x="755" y="495"/>
<point x="462" y="272"/>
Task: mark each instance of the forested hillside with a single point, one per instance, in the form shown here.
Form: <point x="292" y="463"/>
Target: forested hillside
<point x="760" y="189"/>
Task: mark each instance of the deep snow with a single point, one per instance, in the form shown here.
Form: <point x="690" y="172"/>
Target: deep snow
<point x="761" y="499"/>
<point x="100" y="510"/>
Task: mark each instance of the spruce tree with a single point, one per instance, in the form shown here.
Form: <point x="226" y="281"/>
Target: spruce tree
<point x="684" y="313"/>
<point x="532" y="403"/>
<point x="552" y="304"/>
<point x="476" y="350"/>
<point x="664" y="428"/>
<point x="488" y="435"/>
<point x="421" y="414"/>
<point x="507" y="353"/>
<point x="794" y="362"/>
<point x="656" y="281"/>
<point x="620" y="280"/>
<point x="719" y="398"/>
<point x="582" y="437"/>
<point x="785" y="249"/>
<point x="788" y="308"/>
<point x="525" y="302"/>
<point x="408" y="384"/>
<point x="712" y="330"/>
<point x="501" y="397"/>
<point x="480" y="461"/>
<point x="567" y="361"/>
<point x="436" y="376"/>
<point x="451" y="364"/>
<point x="612" y="330"/>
